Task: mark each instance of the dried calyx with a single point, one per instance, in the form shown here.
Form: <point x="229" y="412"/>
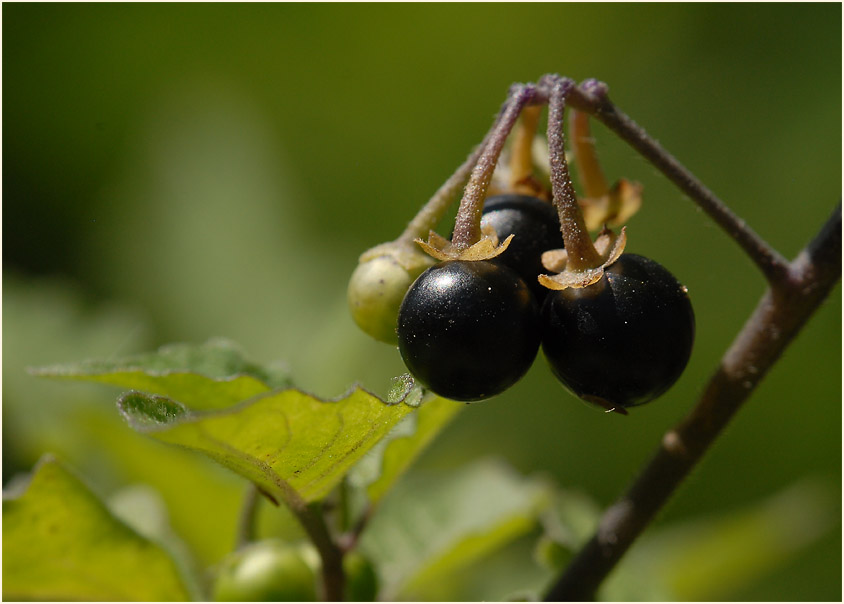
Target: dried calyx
<point x="614" y="208"/>
<point x="601" y="204"/>
<point x="486" y="248"/>
<point x="609" y="248"/>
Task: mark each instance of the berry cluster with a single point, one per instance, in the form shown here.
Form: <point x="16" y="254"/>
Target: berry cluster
<point x="468" y="330"/>
<point x="617" y="329"/>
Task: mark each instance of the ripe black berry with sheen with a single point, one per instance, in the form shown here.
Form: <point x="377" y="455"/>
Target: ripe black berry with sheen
<point x="536" y="228"/>
<point x="624" y="340"/>
<point x="468" y="330"/>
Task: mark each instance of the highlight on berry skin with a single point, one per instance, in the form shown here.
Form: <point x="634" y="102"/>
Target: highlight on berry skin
<point x="623" y="341"/>
<point x="468" y="330"/>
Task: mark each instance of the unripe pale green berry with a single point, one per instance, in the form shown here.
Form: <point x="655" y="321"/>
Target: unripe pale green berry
<point x="361" y="579"/>
<point x="379" y="283"/>
<point x="266" y="571"/>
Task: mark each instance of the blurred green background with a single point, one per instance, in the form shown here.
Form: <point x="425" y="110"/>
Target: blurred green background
<point x="181" y="171"/>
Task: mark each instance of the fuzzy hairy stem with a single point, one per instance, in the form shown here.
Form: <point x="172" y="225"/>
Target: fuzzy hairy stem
<point x="592" y="98"/>
<point x="467" y="226"/>
<point x="581" y="252"/>
<point x="783" y="310"/>
<point x="433" y="211"/>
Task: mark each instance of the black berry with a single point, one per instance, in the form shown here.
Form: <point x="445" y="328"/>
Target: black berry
<point x="536" y="228"/>
<point x="624" y="340"/>
<point x="468" y="330"/>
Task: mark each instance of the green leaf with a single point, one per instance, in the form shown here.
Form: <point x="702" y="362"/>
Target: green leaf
<point x="293" y="446"/>
<point x="61" y="543"/>
<point x="143" y="510"/>
<point x="185" y="381"/>
<point x="383" y="465"/>
<point x="47" y="320"/>
<point x="51" y="320"/>
<point x="509" y="574"/>
<point x="214" y="375"/>
<point x="431" y="526"/>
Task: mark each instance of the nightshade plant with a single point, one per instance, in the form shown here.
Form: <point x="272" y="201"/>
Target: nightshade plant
<point x="617" y="330"/>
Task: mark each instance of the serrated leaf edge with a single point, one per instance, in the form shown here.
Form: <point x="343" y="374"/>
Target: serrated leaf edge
<point x="191" y="415"/>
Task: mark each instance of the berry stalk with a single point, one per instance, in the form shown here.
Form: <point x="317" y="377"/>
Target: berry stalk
<point x="467" y="227"/>
<point x="432" y="212"/>
<point x="589" y="170"/>
<point x="521" y="158"/>
<point x="581" y="252"/>
<point x="592" y="97"/>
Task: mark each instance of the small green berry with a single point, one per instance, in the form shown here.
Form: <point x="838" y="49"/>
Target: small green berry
<point x="379" y="283"/>
<point x="266" y="571"/>
<point x="361" y="580"/>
